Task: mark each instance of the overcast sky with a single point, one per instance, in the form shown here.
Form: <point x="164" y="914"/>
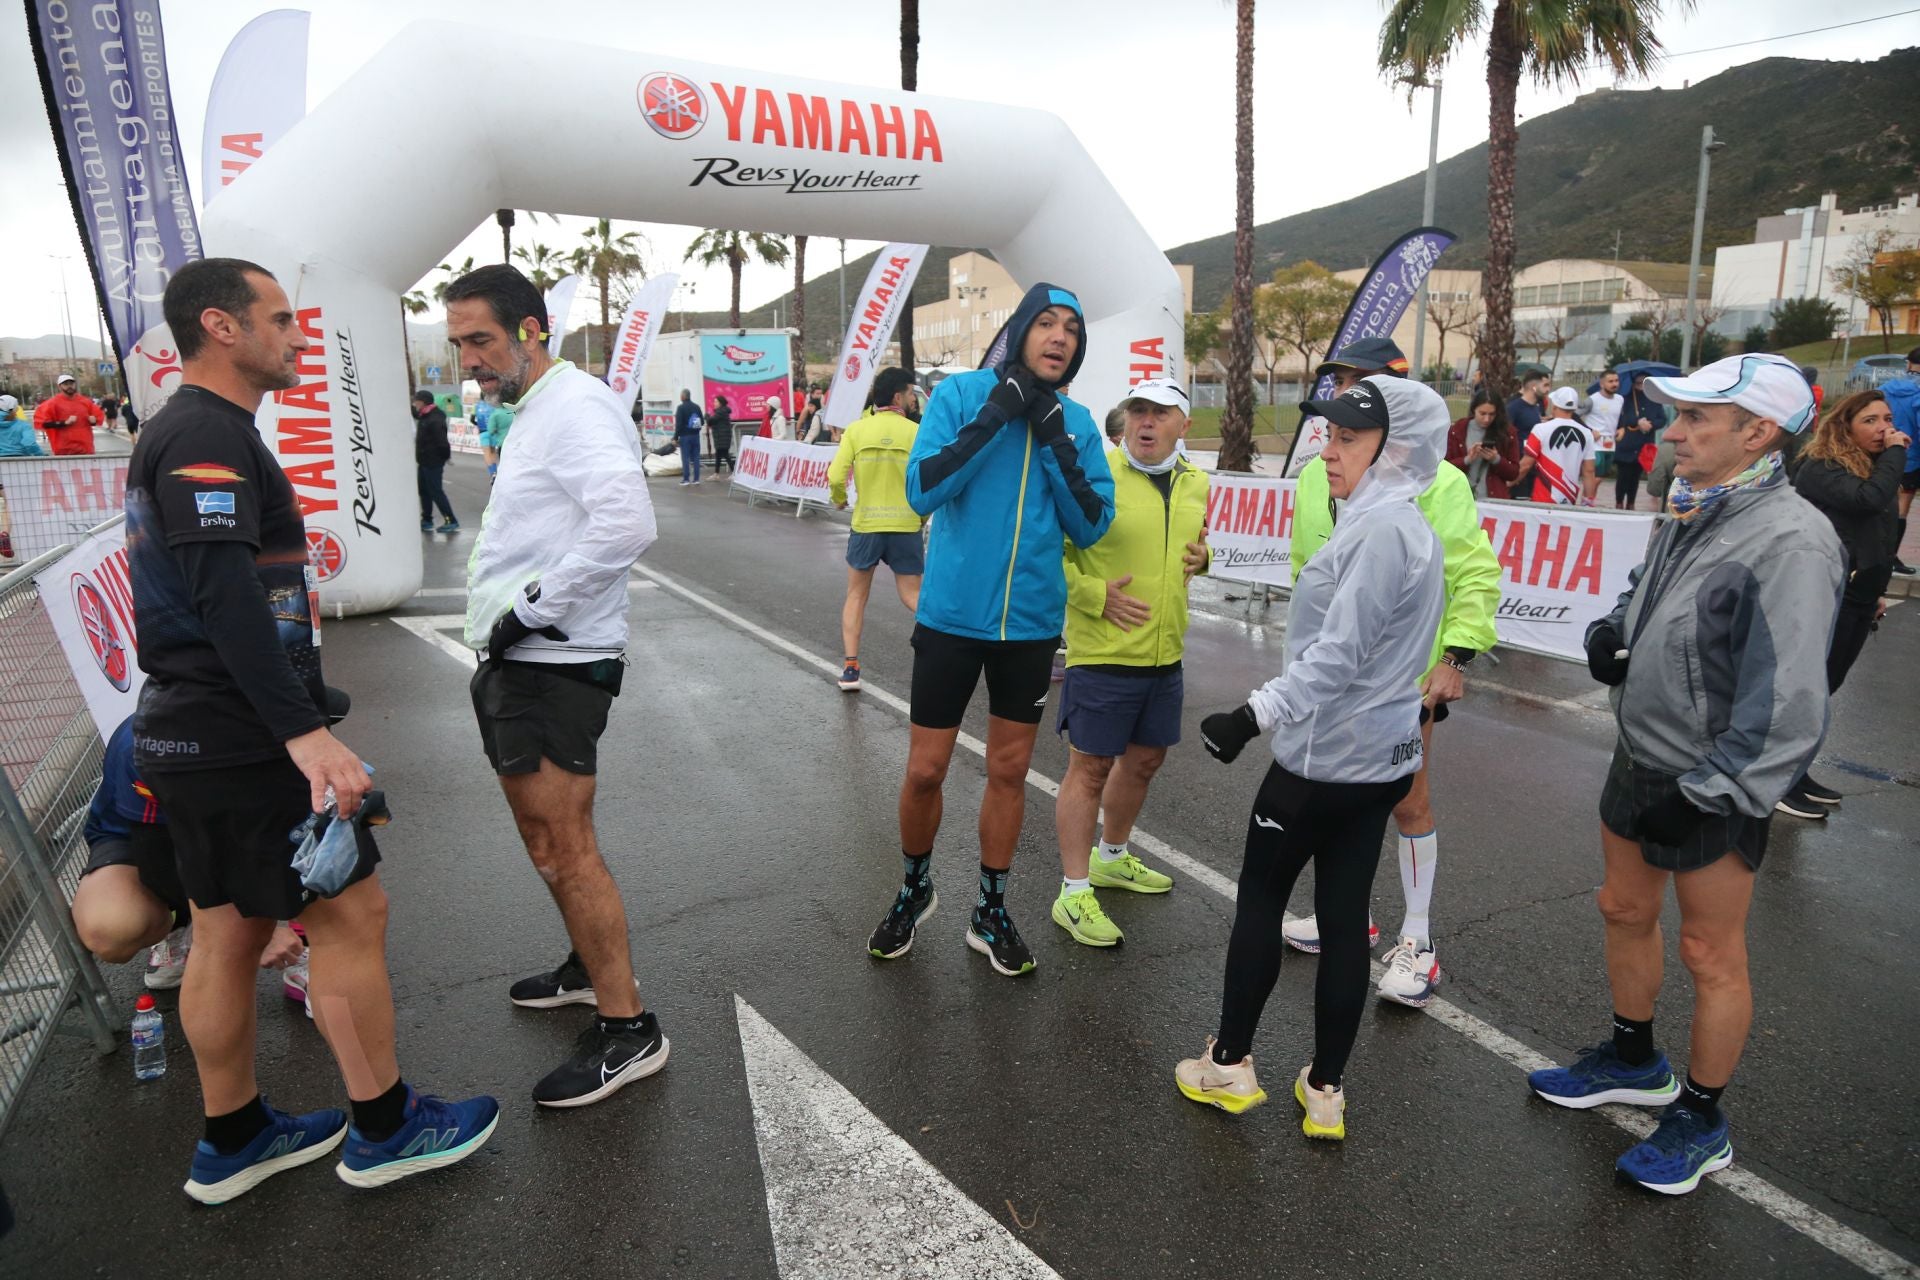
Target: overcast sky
<point x="1147" y="86"/>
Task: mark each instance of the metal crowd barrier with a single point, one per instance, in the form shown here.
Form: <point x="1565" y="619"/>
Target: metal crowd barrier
<point x="47" y="502"/>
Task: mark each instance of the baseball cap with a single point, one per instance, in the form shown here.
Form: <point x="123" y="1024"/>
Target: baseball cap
<point x="1159" y="391"/>
<point x="1361" y="407"/>
<point x="65" y="377"/>
<point x="1566" y="397"/>
<point x="1767" y="385"/>
<point x="423" y="396"/>
<point x="8" y="404"/>
<point x="1368" y="355"/>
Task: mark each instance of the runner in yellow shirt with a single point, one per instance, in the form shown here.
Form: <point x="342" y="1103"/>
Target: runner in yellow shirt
<point x="875" y="448"/>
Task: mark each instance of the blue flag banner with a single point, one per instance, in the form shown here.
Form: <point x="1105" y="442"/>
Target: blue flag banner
<point x="103" y="72"/>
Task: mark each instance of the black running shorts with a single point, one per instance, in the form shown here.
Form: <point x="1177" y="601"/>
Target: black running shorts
<point x="528" y="710"/>
<point x="947" y="669"/>
<point x="1631" y="789"/>
<point x="148" y="849"/>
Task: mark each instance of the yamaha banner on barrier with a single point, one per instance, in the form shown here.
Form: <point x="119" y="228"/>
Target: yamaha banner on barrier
<point x="259" y="92"/>
<point x="875" y="312"/>
<point x="1250" y="527"/>
<point x="1378" y="304"/>
<point x="88" y="596"/>
<point x="628" y="358"/>
<point x="786" y="469"/>
<point x="56" y="500"/>
<point x="103" y="71"/>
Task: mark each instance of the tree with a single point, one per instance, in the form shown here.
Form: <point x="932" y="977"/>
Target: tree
<point x="1460" y="313"/>
<point x="1552" y="336"/>
<point x="453" y="273"/>
<point x="711" y="248"/>
<point x="910" y="81"/>
<point x="1756" y="338"/>
<point x="1202" y="334"/>
<point x="412" y="303"/>
<point x="1705" y="316"/>
<point x="1801" y="320"/>
<point x="800" y="301"/>
<point x="609" y="260"/>
<point x="1236" y="424"/>
<point x="1553" y="41"/>
<point x="1300" y="309"/>
<point x="1879" y="274"/>
<point x="546" y="266"/>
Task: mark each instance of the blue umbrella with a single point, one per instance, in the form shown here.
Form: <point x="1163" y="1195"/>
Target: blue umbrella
<point x="1631" y="372"/>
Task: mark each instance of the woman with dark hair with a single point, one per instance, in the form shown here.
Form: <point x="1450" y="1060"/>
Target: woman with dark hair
<point x="1850" y="470"/>
<point x="1483" y="445"/>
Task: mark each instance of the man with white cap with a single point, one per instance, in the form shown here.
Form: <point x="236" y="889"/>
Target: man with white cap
<point x="68" y="418"/>
<point x="1126" y="632"/>
<point x="1717" y="658"/>
<point x="1562" y="448"/>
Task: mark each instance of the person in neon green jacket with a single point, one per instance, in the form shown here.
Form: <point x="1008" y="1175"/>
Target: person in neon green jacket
<point x="875" y="449"/>
<point x="1126" y="631"/>
<point x="1466" y="629"/>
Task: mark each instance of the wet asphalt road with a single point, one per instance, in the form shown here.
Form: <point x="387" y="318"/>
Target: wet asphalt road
<point x="747" y="809"/>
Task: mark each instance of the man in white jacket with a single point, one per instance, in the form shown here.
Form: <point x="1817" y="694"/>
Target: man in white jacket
<point x="547" y="612"/>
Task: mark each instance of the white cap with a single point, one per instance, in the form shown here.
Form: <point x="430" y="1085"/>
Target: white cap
<point x="8" y="404"/>
<point x="65" y="377"/>
<point x="1768" y="386"/>
<point x="1159" y="391"/>
<point x="1566" y="397"/>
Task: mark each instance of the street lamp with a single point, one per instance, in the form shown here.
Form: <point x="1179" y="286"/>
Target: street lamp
<point x="1708" y="145"/>
<point x="1426" y="220"/>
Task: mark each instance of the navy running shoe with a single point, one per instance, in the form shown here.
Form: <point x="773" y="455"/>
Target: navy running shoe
<point x="436" y="1133"/>
<point x="1600" y="1077"/>
<point x="1684" y="1149"/>
<point x="288" y="1141"/>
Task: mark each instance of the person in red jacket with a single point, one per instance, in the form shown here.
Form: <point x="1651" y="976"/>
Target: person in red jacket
<point x="1492" y="459"/>
<point x="68" y="418"/>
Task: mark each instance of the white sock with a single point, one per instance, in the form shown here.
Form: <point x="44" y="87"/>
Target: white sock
<point x="1112" y="852"/>
<point x="1417" y="857"/>
<point x="1074" y="886"/>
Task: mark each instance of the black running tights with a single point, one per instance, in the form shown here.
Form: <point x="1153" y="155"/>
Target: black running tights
<point x="1338" y="827"/>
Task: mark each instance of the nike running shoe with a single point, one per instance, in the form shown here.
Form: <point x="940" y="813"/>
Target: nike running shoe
<point x="1231" y="1087"/>
<point x="1685" y="1148"/>
<point x="894" y="937"/>
<point x="992" y="934"/>
<point x="1412" y="974"/>
<point x="1797" y="804"/>
<point x="1126" y="872"/>
<point x="167" y="959"/>
<point x="850" y="677"/>
<point x="1302" y="933"/>
<point x="603" y="1062"/>
<point x="1326" y="1109"/>
<point x="1819" y="792"/>
<point x="1600" y="1077"/>
<point x="437" y="1133"/>
<point x="293" y="985"/>
<point x="286" y="1142"/>
<point x="1079" y="913"/>
<point x="569" y="984"/>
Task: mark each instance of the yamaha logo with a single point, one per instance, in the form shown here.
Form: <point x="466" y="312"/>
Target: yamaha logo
<point x="672" y="104"/>
<point x="325" y="553"/>
<point x="103" y="634"/>
<point x="853" y="368"/>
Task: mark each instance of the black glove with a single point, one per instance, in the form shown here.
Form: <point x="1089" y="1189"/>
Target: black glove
<point x="1046" y="419"/>
<point x="1603" y="645"/>
<point x="509" y="630"/>
<point x="1009" y="399"/>
<point x="1226" y="732"/>
<point x="1671" y="821"/>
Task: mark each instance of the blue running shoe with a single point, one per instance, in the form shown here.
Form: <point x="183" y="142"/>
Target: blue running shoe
<point x="288" y="1141"/>
<point x="1599" y="1077"/>
<point x="1684" y="1149"/>
<point x="437" y="1133"/>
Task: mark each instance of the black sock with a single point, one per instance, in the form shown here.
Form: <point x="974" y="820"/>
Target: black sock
<point x="613" y="1026"/>
<point x="993" y="889"/>
<point x="916" y="869"/>
<point x="1700" y="1100"/>
<point x="1314" y="1079"/>
<point x="1633" y="1040"/>
<point x="380" y="1118"/>
<point x="1226" y="1057"/>
<point x="234" y="1130"/>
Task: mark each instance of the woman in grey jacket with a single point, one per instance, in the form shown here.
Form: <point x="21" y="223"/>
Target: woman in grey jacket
<point x="1345" y="719"/>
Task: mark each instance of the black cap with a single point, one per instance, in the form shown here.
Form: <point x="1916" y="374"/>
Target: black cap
<point x="423" y="396"/>
<point x="1368" y="355"/>
<point x="1359" y="408"/>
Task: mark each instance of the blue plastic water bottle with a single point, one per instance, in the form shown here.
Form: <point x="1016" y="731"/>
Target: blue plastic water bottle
<point x="149" y="1041"/>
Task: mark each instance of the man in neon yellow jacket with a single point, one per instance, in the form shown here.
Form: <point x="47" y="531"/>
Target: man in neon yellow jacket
<point x="875" y="448"/>
<point x="1466" y="629"/>
<point x="1126" y="631"/>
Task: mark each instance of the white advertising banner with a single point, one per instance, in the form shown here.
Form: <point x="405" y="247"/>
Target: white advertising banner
<point x="559" y="299"/>
<point x="55" y="500"/>
<point x="786" y="469"/>
<point x="88" y="596"/>
<point x="259" y="92"/>
<point x="1250" y="527"/>
<point x="875" y="312"/>
<point x="1312" y="438"/>
<point x="628" y="358"/>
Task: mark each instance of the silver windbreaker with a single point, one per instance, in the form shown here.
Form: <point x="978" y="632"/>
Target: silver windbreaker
<point x="1361" y="625"/>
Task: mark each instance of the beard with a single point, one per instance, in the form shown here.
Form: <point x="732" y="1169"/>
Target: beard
<point x="513" y="382"/>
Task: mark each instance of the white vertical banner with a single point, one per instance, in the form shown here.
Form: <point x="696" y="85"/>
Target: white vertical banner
<point x="88" y="596"/>
<point x="638" y="328"/>
<point x="259" y="92"/>
<point x="559" y="307"/>
<point x="874" y="314"/>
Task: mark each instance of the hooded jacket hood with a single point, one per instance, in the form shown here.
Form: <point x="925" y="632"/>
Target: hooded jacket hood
<point x="1410" y="457"/>
<point x="1012" y="338"/>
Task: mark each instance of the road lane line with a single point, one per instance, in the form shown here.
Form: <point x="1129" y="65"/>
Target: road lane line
<point x="429" y="629"/>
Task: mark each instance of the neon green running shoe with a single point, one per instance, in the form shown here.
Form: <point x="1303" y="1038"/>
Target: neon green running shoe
<point x="1126" y="872"/>
<point x="1080" y="915"/>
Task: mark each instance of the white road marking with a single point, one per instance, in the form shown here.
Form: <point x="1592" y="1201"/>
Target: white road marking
<point x="429" y="629"/>
<point x="846" y="1196"/>
<point x="1820" y="1227"/>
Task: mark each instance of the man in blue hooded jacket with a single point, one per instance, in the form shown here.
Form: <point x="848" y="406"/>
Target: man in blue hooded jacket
<point x="1011" y="466"/>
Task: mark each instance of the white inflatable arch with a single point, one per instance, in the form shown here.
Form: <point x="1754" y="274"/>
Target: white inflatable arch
<point x="348" y="213"/>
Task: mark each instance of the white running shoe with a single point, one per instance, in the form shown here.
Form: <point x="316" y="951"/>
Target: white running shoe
<point x="1302" y="933"/>
<point x="293" y="984"/>
<point x="167" y="959"/>
<point x="1411" y="974"/>
<point x="1326" y="1109"/>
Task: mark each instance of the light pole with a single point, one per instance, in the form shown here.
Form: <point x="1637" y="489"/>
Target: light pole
<point x="1707" y="147"/>
<point x="1426" y="220"/>
<point x="843" y="284"/>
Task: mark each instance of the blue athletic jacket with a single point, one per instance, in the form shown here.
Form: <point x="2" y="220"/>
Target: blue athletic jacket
<point x="121" y="799"/>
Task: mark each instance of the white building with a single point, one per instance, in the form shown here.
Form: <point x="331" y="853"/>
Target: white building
<point x="1565" y="310"/>
<point x="1794" y="255"/>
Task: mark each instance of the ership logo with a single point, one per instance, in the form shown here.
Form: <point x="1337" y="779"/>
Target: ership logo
<point x="672" y="104"/>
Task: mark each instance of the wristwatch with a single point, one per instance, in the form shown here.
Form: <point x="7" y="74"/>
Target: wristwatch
<point x="1457" y="658"/>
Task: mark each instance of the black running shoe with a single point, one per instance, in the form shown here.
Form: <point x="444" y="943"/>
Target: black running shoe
<point x="1819" y="792"/>
<point x="1799" y="806"/>
<point x="992" y="934"/>
<point x="569" y="984"/>
<point x="602" y="1062"/>
<point x="894" y="937"/>
<point x="1902" y="568"/>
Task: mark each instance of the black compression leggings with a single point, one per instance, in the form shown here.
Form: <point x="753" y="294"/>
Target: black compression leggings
<point x="1338" y="827"/>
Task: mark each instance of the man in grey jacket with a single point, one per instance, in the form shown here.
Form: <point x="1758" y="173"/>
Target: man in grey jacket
<point x="1717" y="658"/>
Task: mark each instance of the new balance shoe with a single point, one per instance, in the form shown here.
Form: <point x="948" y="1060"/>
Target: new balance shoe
<point x="1126" y="872"/>
<point x="450" y="526"/>
<point x="1080" y="914"/>
<point x="293" y="985"/>
<point x="894" y="937"/>
<point x="992" y="934"/>
<point x="1819" y="792"/>
<point x="569" y="984"/>
<point x="288" y="1141"/>
<point x="1797" y="804"/>
<point x="603" y="1062"/>
<point x="167" y="959"/>
<point x="437" y="1133"/>
<point x="1683" y="1149"/>
<point x="1325" y="1108"/>
<point x="1412" y="974"/>
<point x="1600" y="1077"/>
<point x="1302" y="933"/>
<point x="850" y="677"/>
<point x="1231" y="1087"/>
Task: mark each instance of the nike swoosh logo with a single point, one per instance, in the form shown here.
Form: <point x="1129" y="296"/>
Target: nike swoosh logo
<point x="606" y="1074"/>
<point x="1259" y="821"/>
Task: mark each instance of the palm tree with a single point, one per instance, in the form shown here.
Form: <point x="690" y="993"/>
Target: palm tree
<point x="1236" y="424"/>
<point x="710" y="248"/>
<point x="800" y="302"/>
<point x="453" y="273"/>
<point x="910" y="81"/>
<point x="545" y="266"/>
<point x="412" y="303"/>
<point x="609" y="259"/>
<point x="505" y="218"/>
<point x="1554" y="41"/>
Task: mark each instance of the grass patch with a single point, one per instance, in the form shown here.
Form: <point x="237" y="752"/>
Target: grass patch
<point x="1825" y="356"/>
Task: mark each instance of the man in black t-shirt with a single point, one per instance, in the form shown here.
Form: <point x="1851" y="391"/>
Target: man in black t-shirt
<point x="231" y="737"/>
